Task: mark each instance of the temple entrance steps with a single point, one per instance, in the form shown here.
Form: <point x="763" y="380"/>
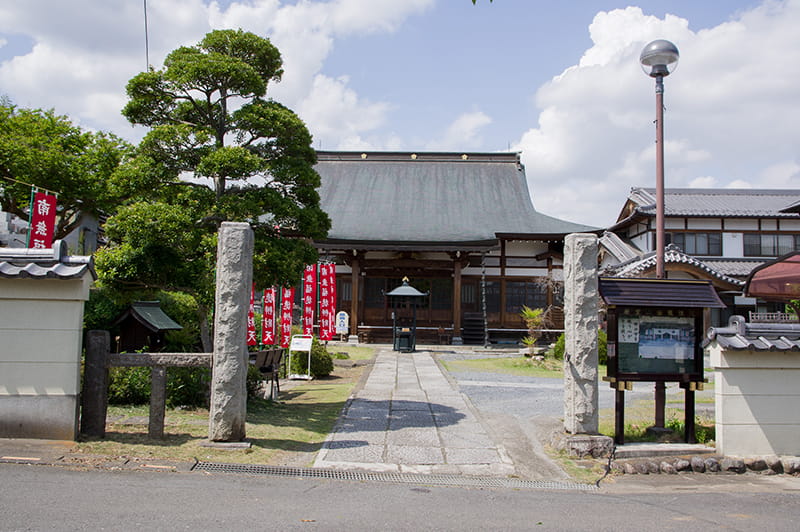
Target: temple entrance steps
<point x="473" y="328"/>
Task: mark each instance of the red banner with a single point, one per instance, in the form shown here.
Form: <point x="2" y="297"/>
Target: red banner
<point x="251" y="319"/>
<point x="268" y="319"/>
<point x="286" y="316"/>
<point x="309" y="298"/>
<point x="43" y="221"/>
<point x="325" y="316"/>
<point x="332" y="306"/>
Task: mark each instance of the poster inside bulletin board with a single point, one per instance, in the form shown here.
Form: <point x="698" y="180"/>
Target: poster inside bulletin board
<point x="656" y="343"/>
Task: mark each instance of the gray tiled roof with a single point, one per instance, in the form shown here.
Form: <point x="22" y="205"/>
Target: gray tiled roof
<point x="430" y="198"/>
<point x="740" y="335"/>
<point x="672" y="255"/>
<point x="44" y="263"/>
<point x="733" y="267"/>
<point x="718" y="202"/>
<point x="622" y="250"/>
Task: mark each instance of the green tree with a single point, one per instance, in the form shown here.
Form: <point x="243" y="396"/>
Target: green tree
<point x="46" y="150"/>
<point x="218" y="150"/>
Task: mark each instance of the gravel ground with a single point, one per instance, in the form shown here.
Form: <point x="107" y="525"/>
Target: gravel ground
<point x="534" y="397"/>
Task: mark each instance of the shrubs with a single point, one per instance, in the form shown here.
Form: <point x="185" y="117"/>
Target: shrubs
<point x="321" y="361"/>
<point x="534" y="321"/>
<point x="128" y="386"/>
<point x="185" y="386"/>
<point x="602" y="347"/>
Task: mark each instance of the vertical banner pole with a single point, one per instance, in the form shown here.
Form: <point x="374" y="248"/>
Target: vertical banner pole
<point x="268" y="318"/>
<point x="251" y="318"/>
<point x="309" y="298"/>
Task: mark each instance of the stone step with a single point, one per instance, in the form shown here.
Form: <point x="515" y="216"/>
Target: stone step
<point x="646" y="449"/>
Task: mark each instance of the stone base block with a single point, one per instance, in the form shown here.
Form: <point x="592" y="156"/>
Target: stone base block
<point x="583" y="445"/>
<point x="226" y="445"/>
<point x="47" y="417"/>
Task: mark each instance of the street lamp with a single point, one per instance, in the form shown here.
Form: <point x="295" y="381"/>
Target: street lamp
<point x="659" y="58"/>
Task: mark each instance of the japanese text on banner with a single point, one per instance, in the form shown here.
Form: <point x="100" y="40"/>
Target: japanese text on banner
<point x="251" y="319"/>
<point x="287" y="302"/>
<point x="43" y="221"/>
<point x="309" y="298"/>
<point x="268" y="319"/>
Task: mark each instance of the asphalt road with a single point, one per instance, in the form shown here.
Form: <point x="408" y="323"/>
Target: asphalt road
<point x="36" y="497"/>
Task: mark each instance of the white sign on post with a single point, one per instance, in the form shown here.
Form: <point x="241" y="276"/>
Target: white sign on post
<point x="342" y="322"/>
<point x="300" y="343"/>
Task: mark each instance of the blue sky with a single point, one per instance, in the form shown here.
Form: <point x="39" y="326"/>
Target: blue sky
<point x="557" y="81"/>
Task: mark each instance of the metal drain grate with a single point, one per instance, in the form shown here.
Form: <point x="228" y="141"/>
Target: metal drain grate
<point x="398" y="478"/>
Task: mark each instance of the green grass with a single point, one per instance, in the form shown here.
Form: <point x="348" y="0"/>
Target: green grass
<point x="550" y="368"/>
<point x="641" y="415"/>
<point x="354" y="352"/>
<point x="300" y="422"/>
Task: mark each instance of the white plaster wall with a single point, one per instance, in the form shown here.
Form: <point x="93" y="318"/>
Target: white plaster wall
<point x="732" y="245"/>
<point x="704" y="223"/>
<point x="674" y="223"/>
<point x="642" y="241"/>
<point x="768" y="224"/>
<point x="790" y="225"/>
<point x="743" y="224"/>
<point x="41" y="322"/>
<point x="525" y="247"/>
<point x="757" y="402"/>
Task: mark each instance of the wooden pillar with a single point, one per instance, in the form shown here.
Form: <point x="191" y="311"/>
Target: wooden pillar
<point x="355" y="266"/>
<point x="689" y="435"/>
<point x="619" y="415"/>
<point x="660" y="403"/>
<point x="457" y="340"/>
<point x="158" y="401"/>
<point x="94" y="396"/>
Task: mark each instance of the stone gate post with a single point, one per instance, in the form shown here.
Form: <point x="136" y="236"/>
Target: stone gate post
<point x="226" y="421"/>
<point x="580" y="327"/>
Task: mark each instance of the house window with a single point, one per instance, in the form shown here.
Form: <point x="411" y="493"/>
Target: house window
<point x="344" y="289"/>
<point x="467" y="294"/>
<point x="770" y="245"/>
<point x="441" y="294"/>
<point x="492" y="296"/>
<point x="374" y="288"/>
<point x="519" y="294"/>
<point x="698" y="243"/>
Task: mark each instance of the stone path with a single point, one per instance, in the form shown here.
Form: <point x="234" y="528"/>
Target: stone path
<point x="409" y="418"/>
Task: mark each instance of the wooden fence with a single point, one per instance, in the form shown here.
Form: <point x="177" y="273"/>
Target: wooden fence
<point x="94" y="394"/>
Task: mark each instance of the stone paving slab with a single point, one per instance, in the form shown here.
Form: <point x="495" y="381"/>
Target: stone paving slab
<point x="409" y="418"/>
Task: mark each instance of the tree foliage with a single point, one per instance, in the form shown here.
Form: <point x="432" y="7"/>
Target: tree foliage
<point x="46" y="150"/>
<point x="218" y="150"/>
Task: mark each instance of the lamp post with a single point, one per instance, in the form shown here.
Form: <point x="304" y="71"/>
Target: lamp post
<point x="659" y="58"/>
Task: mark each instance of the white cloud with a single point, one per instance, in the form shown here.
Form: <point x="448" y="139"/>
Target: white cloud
<point x="781" y="175"/>
<point x="462" y="134"/>
<point x="703" y="182"/>
<point x="333" y="111"/>
<point x="85" y="51"/>
<point x="730" y="115"/>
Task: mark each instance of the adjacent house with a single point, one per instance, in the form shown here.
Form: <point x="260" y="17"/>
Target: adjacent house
<point x="716" y="234"/>
<point x="460" y="226"/>
<point x="83" y="240"/>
